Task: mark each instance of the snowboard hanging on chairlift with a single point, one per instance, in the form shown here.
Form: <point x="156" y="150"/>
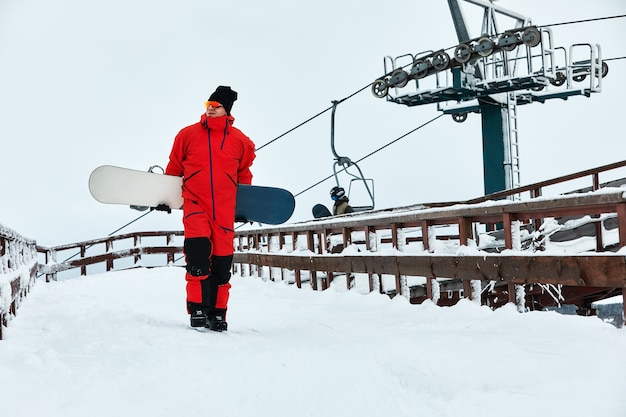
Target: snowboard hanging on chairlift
<point x="320" y="210"/>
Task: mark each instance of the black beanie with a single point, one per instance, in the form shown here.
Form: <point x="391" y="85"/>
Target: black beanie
<point x="225" y="96"/>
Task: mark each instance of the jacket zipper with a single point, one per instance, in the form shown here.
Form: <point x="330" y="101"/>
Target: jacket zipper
<point x="211" y="171"/>
<point x="211" y="163"/>
<point x="224" y="138"/>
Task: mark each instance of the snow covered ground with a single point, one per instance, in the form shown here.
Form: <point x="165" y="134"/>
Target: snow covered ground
<point x="118" y="343"/>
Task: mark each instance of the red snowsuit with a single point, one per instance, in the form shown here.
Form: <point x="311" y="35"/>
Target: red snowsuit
<point x="213" y="157"/>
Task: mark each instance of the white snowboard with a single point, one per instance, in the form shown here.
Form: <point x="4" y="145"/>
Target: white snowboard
<point x="116" y="185"/>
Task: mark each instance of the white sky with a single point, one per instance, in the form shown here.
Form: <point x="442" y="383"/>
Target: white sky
<point x="119" y="344"/>
<point x="84" y="84"/>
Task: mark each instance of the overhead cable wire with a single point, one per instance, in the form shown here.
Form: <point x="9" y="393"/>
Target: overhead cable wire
<point x="130" y="222"/>
<point x="292" y="129"/>
<point x="311" y="118"/>
<point x="401" y="137"/>
<point x="371" y="153"/>
<point x="614" y="59"/>
<point x="586" y="20"/>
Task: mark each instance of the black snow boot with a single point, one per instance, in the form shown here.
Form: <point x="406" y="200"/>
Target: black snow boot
<point x="198" y="318"/>
<point x="216" y="322"/>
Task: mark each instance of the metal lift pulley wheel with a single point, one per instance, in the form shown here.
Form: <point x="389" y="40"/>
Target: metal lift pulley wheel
<point x="462" y="53"/>
<point x="459" y="117"/>
<point x="441" y="60"/>
<point x="531" y="37"/>
<point x="380" y="88"/>
<point x="420" y="68"/>
<point x="605" y="69"/>
<point x="507" y="41"/>
<point x="603" y="72"/>
<point x="559" y="80"/>
<point x="399" y="78"/>
<point x="484" y="47"/>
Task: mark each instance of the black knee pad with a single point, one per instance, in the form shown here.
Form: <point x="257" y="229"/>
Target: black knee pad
<point x="220" y="269"/>
<point x="197" y="253"/>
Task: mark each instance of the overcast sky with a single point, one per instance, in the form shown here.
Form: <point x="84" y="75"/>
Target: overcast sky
<point x="84" y="84"/>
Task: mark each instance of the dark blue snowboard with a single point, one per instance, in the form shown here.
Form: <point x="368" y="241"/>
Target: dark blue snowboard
<point x="269" y="205"/>
<point x="320" y="210"/>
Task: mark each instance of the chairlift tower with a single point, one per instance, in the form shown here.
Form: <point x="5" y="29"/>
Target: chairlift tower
<point x="492" y="75"/>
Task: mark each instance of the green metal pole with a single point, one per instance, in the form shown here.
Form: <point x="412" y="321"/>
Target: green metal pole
<point x="494" y="134"/>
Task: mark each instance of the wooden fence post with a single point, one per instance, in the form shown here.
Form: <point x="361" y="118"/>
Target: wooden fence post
<point x="83" y="269"/>
<point x="109" y="249"/>
<point x="297" y="273"/>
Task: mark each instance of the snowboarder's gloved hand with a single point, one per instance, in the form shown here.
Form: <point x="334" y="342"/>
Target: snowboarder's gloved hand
<point x="240" y="219"/>
<point x="140" y="208"/>
<point x="163" y="207"/>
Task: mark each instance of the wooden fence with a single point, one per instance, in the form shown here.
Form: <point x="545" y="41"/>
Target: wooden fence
<point x="109" y="250"/>
<point x="18" y="268"/>
<point x="407" y="247"/>
<point x="432" y="251"/>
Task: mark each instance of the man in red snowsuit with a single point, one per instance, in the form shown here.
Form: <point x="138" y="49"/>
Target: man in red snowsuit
<point x="213" y="157"/>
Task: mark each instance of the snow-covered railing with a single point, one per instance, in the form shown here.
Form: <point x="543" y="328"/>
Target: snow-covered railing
<point x="493" y="252"/>
<point x="537" y="189"/>
<point x="18" y="268"/>
<point x="131" y="247"/>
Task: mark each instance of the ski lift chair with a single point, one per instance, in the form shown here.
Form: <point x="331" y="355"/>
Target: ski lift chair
<point x="369" y="185"/>
<point x="345" y="163"/>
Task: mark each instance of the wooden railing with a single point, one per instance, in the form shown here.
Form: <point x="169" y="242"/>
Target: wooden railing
<point x="536" y="189"/>
<point x="18" y="267"/>
<point x="433" y="252"/>
<point x="106" y="251"/>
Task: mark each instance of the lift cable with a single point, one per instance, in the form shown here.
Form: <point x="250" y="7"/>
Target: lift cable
<point x="293" y="128"/>
<point x="614" y="59"/>
<point x="311" y="118"/>
<point x="586" y="20"/>
<point x="371" y="153"/>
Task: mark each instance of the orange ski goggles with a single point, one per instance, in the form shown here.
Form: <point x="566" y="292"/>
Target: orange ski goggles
<point x="214" y="104"/>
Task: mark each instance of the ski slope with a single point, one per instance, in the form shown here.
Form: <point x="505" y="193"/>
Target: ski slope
<point x="118" y="344"/>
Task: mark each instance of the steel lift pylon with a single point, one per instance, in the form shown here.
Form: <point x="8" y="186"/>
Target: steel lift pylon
<point x="492" y="75"/>
<point x="501" y="168"/>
